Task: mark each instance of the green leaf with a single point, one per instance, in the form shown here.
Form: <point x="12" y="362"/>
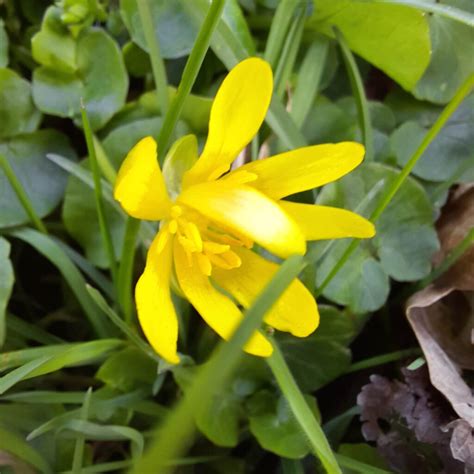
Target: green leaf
<point x="99" y="78"/>
<point x="16" y="445"/>
<point x="451" y="150"/>
<point x="70" y="355"/>
<point x="274" y="426"/>
<point x="128" y="370"/>
<point x="395" y="38"/>
<point x="6" y="285"/>
<point x="56" y="255"/>
<point x="175" y="32"/>
<point x="42" y="181"/>
<point x="451" y="60"/>
<point x="364" y="453"/>
<point x="17" y="111"/>
<point x="402" y="248"/>
<point x="3" y="45"/>
<point x="53" y="46"/>
<point x="321" y="357"/>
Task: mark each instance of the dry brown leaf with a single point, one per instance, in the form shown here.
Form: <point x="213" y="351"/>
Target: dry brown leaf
<point x="442" y="317"/>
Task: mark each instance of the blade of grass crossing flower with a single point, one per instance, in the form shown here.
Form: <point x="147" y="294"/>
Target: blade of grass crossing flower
<point x="80" y="438"/>
<point x="228" y="49"/>
<point x="309" y="78"/>
<point x="174" y="435"/>
<point x="385" y="200"/>
<point x="157" y="64"/>
<point x="278" y="30"/>
<point x="191" y="70"/>
<point x="21" y="194"/>
<point x="288" y="54"/>
<point x="447" y="11"/>
<point x="104" y="229"/>
<point x="359" y="466"/>
<point x="56" y="255"/>
<point x="359" y="95"/>
<point x="302" y="411"/>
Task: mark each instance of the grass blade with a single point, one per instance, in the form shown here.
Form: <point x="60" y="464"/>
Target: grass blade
<point x="80" y="439"/>
<point x="302" y="411"/>
<point x="177" y="430"/>
<point x="432" y="133"/>
<point x="21" y="194"/>
<point x="99" y="204"/>
<point x="31" y="332"/>
<point x="56" y="255"/>
<point x="359" y="94"/>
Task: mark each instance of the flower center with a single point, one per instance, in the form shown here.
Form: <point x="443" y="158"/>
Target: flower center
<point x="205" y="244"/>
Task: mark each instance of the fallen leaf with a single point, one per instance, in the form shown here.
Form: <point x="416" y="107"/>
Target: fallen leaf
<point x="462" y="442"/>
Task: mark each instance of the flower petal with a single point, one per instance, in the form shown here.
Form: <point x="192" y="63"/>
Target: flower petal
<point x="219" y="312"/>
<point x="295" y="311"/>
<point x="304" y="168"/>
<point x="156" y="312"/>
<point x="249" y="212"/>
<point x="236" y="115"/>
<point x="324" y="222"/>
<point x="140" y="187"/>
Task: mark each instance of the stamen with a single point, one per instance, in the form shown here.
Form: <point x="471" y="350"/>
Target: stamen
<point x="162" y="240"/>
<point x="173" y="226"/>
<point x="176" y="211"/>
<point x="204" y="264"/>
<point x="215" y="248"/>
<point x="192" y="233"/>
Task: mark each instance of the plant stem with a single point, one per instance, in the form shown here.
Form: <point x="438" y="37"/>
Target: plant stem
<point x="301" y="410"/>
<point x="80" y="437"/>
<point x="453" y="256"/>
<point x="359" y="94"/>
<point x="392" y="189"/>
<point x="157" y="64"/>
<point x="21" y="194"/>
<point x="383" y="359"/>
<point x="104" y="229"/>
<point x="125" y="274"/>
<point x="190" y="72"/>
<point x="359" y="466"/>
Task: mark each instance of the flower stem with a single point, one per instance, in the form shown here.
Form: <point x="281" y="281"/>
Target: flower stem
<point x="432" y="133"/>
<point x="157" y="64"/>
<point x="21" y="194"/>
<point x="301" y="411"/>
<point x="104" y="229"/>
<point x="191" y="70"/>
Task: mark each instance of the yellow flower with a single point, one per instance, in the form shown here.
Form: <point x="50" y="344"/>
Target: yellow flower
<point x="211" y="219"/>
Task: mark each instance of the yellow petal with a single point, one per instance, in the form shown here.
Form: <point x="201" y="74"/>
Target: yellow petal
<point x="219" y="312"/>
<point x="295" y="311"/>
<point x="248" y="212"/>
<point x="324" y="222"/>
<point x="140" y="187"/>
<point x="304" y="168"/>
<point x="237" y="113"/>
<point x="155" y="308"/>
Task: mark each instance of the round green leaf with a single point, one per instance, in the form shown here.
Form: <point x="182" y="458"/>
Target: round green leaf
<point x="43" y="181"/>
<point x="176" y="34"/>
<point x="451" y="59"/>
<point x="317" y="359"/>
<point x="451" y="151"/>
<point x="275" y="427"/>
<point x="100" y="80"/>
<point x="17" y="111"/>
<point x="402" y="248"/>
